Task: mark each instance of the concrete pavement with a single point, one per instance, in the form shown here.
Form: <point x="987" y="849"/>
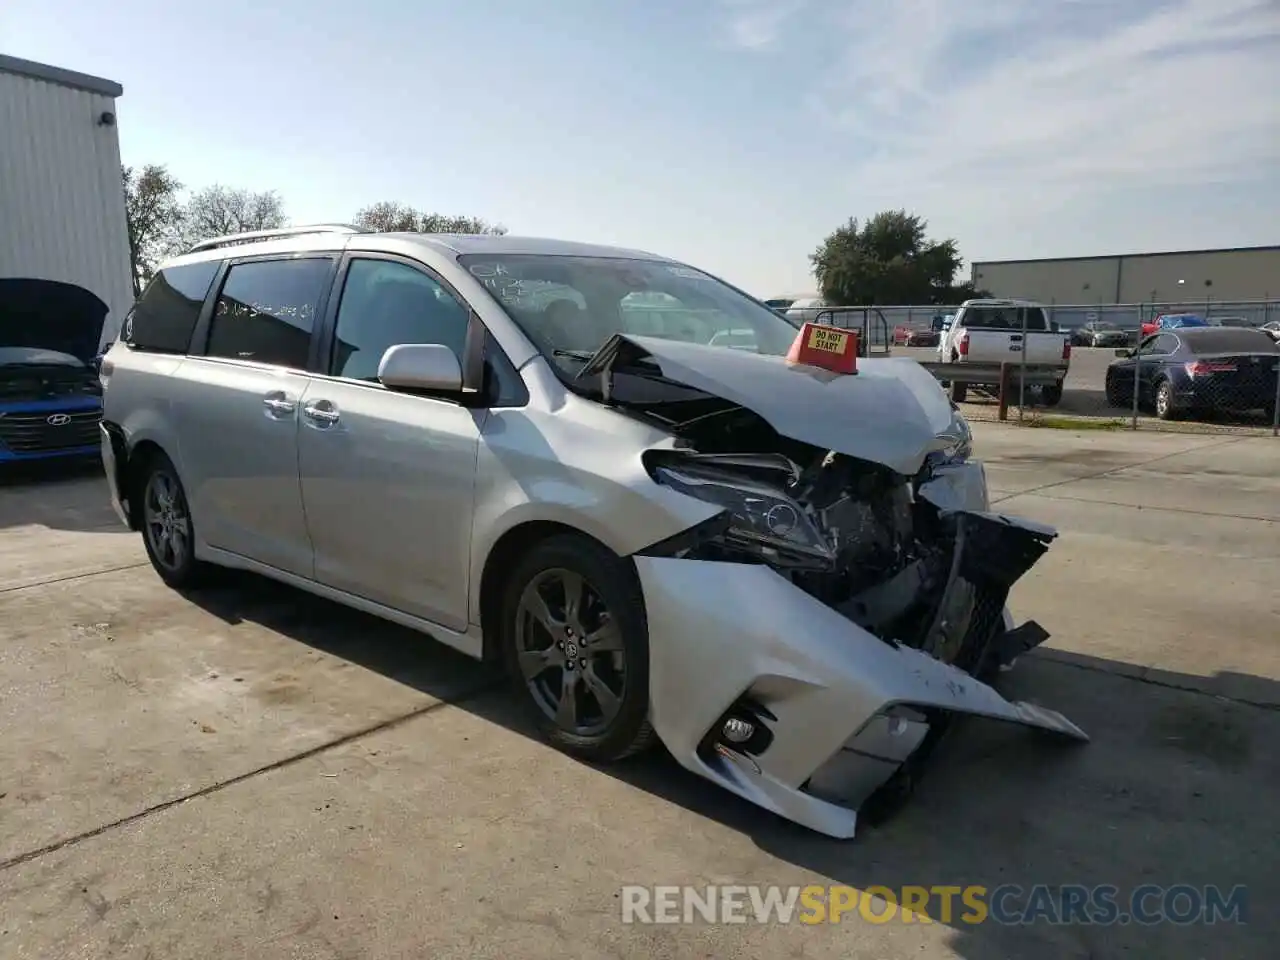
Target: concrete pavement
<point x="253" y="772"/>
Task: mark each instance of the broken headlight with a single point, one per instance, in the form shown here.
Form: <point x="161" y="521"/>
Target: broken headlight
<point x="762" y="519"/>
<point x="956" y="442"/>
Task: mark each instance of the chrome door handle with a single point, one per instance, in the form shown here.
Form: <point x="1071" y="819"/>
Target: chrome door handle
<point x="278" y="404"/>
<point x="321" y="412"/>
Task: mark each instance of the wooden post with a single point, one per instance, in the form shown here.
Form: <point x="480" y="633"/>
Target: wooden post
<point x="1006" y="381"/>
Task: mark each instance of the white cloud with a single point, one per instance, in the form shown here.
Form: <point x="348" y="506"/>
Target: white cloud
<point x="1037" y="101"/>
<point x="757" y="24"/>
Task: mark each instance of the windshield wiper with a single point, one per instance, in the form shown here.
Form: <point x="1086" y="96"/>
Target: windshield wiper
<point x="583" y="355"/>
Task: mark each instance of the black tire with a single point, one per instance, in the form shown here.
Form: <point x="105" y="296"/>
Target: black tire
<point x="1114" y="399"/>
<point x="1165" y="409"/>
<point x="610" y="584"/>
<point x="1051" y="395"/>
<point x="959" y="391"/>
<point x="172" y="556"/>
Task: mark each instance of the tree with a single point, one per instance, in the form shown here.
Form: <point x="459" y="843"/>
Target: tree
<point x="888" y="260"/>
<point x="152" y="213"/>
<point x="961" y="292"/>
<point x="218" y="210"/>
<point x="390" y="216"/>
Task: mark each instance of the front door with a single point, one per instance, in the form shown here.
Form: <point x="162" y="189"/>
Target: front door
<point x="1151" y="359"/>
<point x="237" y="408"/>
<point x="388" y="478"/>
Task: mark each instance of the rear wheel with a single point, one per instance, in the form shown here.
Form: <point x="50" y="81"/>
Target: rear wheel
<point x="958" y="390"/>
<point x="576" y="647"/>
<point x="1165" y="409"/>
<point x="167" y="530"/>
<point x="1051" y="395"/>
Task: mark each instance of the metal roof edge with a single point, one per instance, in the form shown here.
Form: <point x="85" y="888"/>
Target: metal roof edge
<point x="1125" y="256"/>
<point x="66" y="78"/>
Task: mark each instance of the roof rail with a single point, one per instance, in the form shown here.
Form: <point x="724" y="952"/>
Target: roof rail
<point x="253" y="236"/>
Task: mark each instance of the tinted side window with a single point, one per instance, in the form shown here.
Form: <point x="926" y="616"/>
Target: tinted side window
<point x="165" y="317"/>
<point x="1035" y="319"/>
<point x="267" y="309"/>
<point x="503" y="386"/>
<point x="385" y="303"/>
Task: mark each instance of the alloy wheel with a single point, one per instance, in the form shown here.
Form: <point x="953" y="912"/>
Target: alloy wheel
<point x="570" y="652"/>
<point x="166" y="520"/>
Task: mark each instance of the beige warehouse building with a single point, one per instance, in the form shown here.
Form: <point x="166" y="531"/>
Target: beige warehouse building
<point x="1189" y="276"/>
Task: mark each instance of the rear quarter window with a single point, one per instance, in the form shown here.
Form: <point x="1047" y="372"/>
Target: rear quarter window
<point x="164" y="319"/>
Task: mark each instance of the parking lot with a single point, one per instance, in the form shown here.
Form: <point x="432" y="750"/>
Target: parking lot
<point x="249" y="771"/>
<point x="1084" y="396"/>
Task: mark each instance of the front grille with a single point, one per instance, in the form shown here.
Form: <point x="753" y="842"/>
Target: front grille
<point x="987" y="617"/>
<point x="33" y="433"/>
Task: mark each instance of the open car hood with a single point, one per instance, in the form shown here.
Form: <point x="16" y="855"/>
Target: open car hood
<point x="892" y="411"/>
<point x="50" y="315"/>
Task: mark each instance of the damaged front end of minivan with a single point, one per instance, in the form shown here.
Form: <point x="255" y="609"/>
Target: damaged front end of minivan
<point x="813" y="641"/>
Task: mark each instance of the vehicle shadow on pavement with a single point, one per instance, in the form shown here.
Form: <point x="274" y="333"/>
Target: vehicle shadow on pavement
<point x="1076" y="402"/>
<point x="1176" y="788"/>
<point x="66" y="495"/>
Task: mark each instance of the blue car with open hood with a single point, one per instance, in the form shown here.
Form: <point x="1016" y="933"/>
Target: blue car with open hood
<point x="50" y="392"/>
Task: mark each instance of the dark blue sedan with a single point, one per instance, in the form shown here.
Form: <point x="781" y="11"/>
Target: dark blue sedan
<point x="1197" y="370"/>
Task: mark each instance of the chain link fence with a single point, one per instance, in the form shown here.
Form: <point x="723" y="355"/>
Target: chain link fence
<point x="1215" y="367"/>
<point x="1072" y="317"/>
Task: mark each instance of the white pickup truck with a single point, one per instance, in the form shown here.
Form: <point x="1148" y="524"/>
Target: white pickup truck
<point x="996" y="331"/>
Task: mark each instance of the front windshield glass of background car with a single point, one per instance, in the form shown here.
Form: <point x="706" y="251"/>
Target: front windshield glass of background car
<point x="569" y="306"/>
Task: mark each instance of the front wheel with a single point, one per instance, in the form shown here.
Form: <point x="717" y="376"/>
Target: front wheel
<point x="576" y="647"/>
<point x="1114" y="396"/>
<point x="167" y="530"/>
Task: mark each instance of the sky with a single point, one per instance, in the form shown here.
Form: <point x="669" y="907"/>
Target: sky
<point x="732" y="134"/>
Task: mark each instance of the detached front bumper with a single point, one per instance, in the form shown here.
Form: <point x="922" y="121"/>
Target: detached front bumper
<point x="841" y="710"/>
<point x="111" y="447"/>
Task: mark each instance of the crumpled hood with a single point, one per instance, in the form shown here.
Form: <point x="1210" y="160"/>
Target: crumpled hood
<point x="892" y="411"/>
<point x="50" y="315"/>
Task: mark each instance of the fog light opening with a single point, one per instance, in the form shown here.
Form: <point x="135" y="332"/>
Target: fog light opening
<point x="737" y="730"/>
<point x="742" y="731"/>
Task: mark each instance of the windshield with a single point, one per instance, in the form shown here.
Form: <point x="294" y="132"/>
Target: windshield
<point x="1229" y="340"/>
<point x="1103" y="325"/>
<point x="569" y="306"/>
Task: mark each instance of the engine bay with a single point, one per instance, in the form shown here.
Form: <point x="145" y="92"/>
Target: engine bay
<point x="856" y="533"/>
<point x="863" y="539"/>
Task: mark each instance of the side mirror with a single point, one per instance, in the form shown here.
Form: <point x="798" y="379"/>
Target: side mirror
<point x="1125" y="353"/>
<point x="420" y="366"/>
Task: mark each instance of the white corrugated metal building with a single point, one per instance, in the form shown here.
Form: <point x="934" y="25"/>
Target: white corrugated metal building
<point x="62" y="214"/>
<point x="1175" y="277"/>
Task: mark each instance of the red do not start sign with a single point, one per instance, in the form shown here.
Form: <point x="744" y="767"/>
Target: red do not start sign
<point x="818" y="345"/>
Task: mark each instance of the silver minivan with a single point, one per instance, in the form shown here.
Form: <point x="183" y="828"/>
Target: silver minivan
<point x="598" y="467"/>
